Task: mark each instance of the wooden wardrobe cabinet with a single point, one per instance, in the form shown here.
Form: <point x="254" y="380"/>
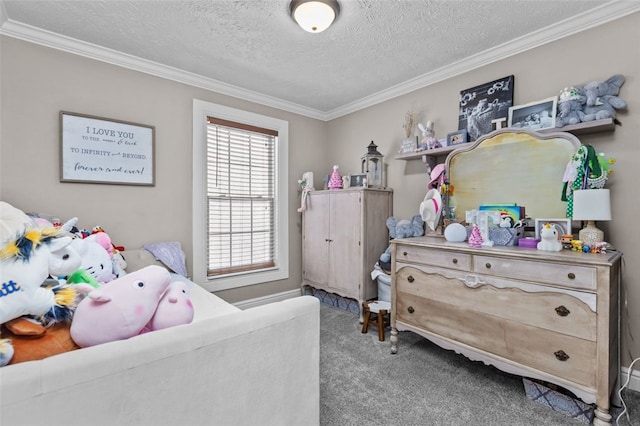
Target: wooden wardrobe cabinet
<point x="344" y="232"/>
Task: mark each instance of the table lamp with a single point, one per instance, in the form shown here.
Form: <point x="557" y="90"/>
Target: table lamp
<point x="591" y="205"/>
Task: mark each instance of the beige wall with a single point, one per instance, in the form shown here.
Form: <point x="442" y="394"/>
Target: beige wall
<point x="37" y="82"/>
<point x="539" y="73"/>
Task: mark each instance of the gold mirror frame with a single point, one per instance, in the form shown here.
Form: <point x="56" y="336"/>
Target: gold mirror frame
<point x="509" y="166"/>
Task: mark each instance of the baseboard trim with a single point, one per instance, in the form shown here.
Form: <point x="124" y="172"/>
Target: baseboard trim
<point x="634" y="381"/>
<point x="258" y="301"/>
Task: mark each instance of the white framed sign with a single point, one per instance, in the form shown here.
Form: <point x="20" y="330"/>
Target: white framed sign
<point x="101" y="150"/>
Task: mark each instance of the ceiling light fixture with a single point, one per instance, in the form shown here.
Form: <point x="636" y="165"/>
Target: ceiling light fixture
<point x="314" y="16"/>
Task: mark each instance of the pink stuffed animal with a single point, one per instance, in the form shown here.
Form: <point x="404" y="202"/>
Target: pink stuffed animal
<point x="175" y="307"/>
<point x="120" y="309"/>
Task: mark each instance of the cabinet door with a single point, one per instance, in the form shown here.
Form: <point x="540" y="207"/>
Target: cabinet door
<point x="315" y="239"/>
<point x="345" y="247"/>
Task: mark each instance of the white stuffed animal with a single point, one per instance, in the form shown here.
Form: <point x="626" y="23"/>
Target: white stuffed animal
<point x="549" y="238"/>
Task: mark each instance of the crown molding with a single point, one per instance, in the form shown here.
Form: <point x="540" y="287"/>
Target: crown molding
<point x="89" y="50"/>
<point x="608" y="12"/>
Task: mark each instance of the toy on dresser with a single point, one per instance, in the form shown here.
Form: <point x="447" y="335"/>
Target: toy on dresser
<point x="401" y="229"/>
<point x="549" y="240"/>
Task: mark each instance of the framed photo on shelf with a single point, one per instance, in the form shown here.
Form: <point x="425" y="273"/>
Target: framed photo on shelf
<point x="563" y="225"/>
<point x="103" y="150"/>
<point x="456" y="138"/>
<point x="408" y="145"/>
<point x="535" y="115"/>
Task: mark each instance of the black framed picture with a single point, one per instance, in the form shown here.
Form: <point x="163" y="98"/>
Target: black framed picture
<point x="357" y="179"/>
<point x="483" y="107"/>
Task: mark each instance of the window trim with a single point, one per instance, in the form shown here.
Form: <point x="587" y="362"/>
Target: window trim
<point x="201" y="110"/>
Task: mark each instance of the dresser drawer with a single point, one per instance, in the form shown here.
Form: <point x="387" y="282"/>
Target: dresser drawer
<point x="433" y="257"/>
<point x="572" y="276"/>
<point x="563" y="356"/>
<point x="532" y="305"/>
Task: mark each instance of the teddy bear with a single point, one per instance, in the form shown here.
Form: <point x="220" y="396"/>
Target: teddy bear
<point x="404" y="228"/>
<point x="602" y="100"/>
<point x="571" y="101"/>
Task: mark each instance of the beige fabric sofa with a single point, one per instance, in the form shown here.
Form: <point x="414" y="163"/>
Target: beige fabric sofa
<point x="259" y="366"/>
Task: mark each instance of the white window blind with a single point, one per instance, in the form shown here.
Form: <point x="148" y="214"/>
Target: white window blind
<point x="241" y="204"/>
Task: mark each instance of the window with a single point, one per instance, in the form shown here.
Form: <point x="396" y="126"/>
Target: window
<point x="240" y="197"/>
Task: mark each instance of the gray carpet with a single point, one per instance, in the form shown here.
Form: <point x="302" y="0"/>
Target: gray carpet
<point x="361" y="383"/>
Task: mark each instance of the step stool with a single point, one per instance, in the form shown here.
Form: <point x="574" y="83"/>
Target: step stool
<point x="381" y="320"/>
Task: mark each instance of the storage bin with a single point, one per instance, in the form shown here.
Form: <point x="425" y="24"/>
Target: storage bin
<point x="384" y="287"/>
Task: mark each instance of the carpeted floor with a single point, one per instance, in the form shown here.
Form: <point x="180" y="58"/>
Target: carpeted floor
<point x="361" y="383"/>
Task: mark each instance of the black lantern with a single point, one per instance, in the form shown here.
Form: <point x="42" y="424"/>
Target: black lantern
<point x="373" y="166"/>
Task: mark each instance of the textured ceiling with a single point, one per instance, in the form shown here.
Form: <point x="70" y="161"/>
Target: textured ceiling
<point x="374" y="45"/>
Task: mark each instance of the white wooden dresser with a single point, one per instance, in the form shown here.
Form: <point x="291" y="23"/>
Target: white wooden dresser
<point x="545" y="315"/>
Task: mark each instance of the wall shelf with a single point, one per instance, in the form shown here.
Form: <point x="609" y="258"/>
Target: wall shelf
<point x="429" y="156"/>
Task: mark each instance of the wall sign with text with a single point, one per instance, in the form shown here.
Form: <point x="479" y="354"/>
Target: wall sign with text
<point x="101" y="150"/>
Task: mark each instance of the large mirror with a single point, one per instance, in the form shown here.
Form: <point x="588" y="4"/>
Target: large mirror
<point x="508" y="166"/>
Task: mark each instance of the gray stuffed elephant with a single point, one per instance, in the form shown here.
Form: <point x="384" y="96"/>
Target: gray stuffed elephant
<point x="602" y="99"/>
<point x="402" y="229"/>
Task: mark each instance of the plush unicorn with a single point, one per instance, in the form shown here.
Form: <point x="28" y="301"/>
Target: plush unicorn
<point x="549" y="238"/>
<point x="25" y="263"/>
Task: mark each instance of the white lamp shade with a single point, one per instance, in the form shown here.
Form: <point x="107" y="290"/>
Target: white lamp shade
<point x="591" y="204"/>
<point x="313" y="16"/>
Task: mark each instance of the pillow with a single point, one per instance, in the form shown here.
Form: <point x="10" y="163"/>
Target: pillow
<point x="170" y="254"/>
<point x="138" y="259"/>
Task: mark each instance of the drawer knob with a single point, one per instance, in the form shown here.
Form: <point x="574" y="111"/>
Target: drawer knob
<point x="562" y="311"/>
<point x="455" y="261"/>
<point x="410" y="278"/>
<point x="410" y="309"/>
<point x="561" y="355"/>
<point x="405" y="253"/>
<point x="571" y="276"/>
<point x="487" y="265"/>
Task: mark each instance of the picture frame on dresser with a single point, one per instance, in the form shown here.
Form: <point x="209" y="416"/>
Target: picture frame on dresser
<point x="563" y="226"/>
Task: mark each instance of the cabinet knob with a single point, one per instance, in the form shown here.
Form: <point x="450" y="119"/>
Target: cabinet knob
<point x="561" y="355"/>
<point x="487" y="265"/>
<point x="562" y="311"/>
<point x="410" y="309"/>
<point x="410" y="278"/>
<point x="455" y="261"/>
<point x="404" y="253"/>
<point x="571" y="276"/>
